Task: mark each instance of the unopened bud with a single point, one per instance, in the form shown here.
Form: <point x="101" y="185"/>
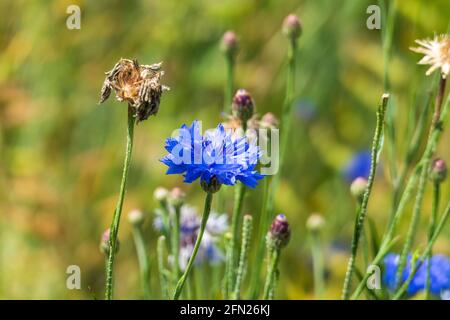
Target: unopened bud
<point x="438" y="170"/>
<point x="242" y="106"/>
<point x="161" y="194"/>
<point x="104" y="242"/>
<point x="292" y="27"/>
<point x="229" y="45"/>
<point x="177" y="197"/>
<point x="280" y="232"/>
<point x="269" y="121"/>
<point x="315" y="222"/>
<point x="136" y="217"/>
<point x="358" y="188"/>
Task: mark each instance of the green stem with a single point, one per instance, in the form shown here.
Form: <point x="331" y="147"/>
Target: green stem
<point x="361" y="215"/>
<point x="268" y="200"/>
<point x="432" y="226"/>
<point x="318" y="266"/>
<point x="162" y="270"/>
<point x="114" y="230"/>
<point x="264" y="222"/>
<point x="246" y="236"/>
<point x="176" y="244"/>
<point x="182" y="281"/>
<point x="143" y="260"/>
<point x="233" y="249"/>
<point x="271" y="273"/>
<point x="426" y="160"/>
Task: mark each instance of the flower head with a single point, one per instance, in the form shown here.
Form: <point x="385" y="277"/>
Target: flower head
<point x="292" y="27"/>
<point x="229" y="45"/>
<point x="439" y="274"/>
<point x="243" y="106"/>
<point x="139" y="85"/>
<point x="216" y="158"/>
<point x="280" y="232"/>
<point x="358" y="166"/>
<point x="438" y="170"/>
<point x="436" y="54"/>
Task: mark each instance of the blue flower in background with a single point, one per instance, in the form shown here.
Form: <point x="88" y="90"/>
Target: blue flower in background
<point x="439" y="274"/>
<point x="216" y="154"/>
<point x="358" y="166"/>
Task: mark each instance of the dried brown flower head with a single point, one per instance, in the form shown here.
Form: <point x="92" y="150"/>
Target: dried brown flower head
<point x="139" y="85"/>
<point x="437" y="54"/>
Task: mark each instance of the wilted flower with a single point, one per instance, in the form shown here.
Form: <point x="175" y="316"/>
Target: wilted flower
<point x="436" y="54"/>
<point x="438" y="171"/>
<point x="358" y="166"/>
<point x="139" y="85"/>
<point x="439" y="274"/>
<point x="216" y="158"/>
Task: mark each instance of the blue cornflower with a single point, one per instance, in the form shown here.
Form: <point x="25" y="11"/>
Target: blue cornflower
<point x="217" y="156"/>
<point x="358" y="166"/>
<point x="439" y="274"/>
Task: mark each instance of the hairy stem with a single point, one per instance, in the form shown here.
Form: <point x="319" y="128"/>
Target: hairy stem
<point x="432" y="226"/>
<point x="143" y="260"/>
<point x="246" y="236"/>
<point x="114" y="230"/>
<point x="182" y="281"/>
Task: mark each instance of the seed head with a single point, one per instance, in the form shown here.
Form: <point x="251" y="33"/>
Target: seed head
<point x="138" y="85"/>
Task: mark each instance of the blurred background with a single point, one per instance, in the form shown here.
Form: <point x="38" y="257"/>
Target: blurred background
<point x="62" y="154"/>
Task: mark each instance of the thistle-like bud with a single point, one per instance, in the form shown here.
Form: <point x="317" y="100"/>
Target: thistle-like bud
<point x="229" y="45"/>
<point x="269" y="121"/>
<point x="292" y="27"/>
<point x="104" y="242"/>
<point x="280" y="232"/>
<point x="358" y="188"/>
<point x="161" y="194"/>
<point x="136" y="217"/>
<point x="177" y="197"/>
<point x="315" y="222"/>
<point x="212" y="187"/>
<point x="242" y="106"/>
<point x="438" y="170"/>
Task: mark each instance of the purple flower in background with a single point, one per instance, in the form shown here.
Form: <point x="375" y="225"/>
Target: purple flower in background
<point x="358" y="166"/>
<point x="439" y="274"/>
<point x="216" y="155"/>
<point x="305" y="110"/>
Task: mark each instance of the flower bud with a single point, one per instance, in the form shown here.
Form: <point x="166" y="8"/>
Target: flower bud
<point x="136" y="217"/>
<point x="229" y="45"/>
<point x="292" y="27"/>
<point x="358" y="188"/>
<point x="280" y="232"/>
<point x="242" y="106"/>
<point x="212" y="187"/>
<point x="438" y="170"/>
<point x="104" y="243"/>
<point x="161" y="194"/>
<point x="269" y="121"/>
<point x="177" y="197"/>
<point x="315" y="222"/>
